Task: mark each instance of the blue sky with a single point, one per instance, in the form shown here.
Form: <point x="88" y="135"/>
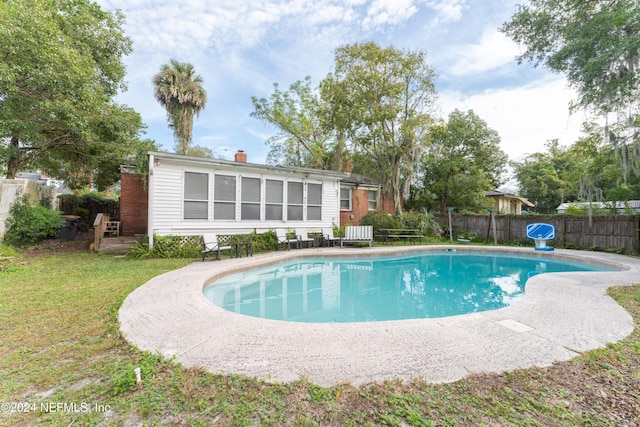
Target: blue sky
<point x="242" y="47"/>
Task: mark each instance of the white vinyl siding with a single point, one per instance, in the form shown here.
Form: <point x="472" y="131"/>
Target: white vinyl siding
<point x="167" y="197"/>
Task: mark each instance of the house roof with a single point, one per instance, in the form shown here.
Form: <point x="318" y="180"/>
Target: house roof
<point x="357" y="179"/>
<point x="508" y="196"/>
<point x="633" y="204"/>
<point x="252" y="166"/>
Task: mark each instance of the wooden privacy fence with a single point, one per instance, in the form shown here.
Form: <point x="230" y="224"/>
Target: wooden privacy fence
<point x="602" y="232"/>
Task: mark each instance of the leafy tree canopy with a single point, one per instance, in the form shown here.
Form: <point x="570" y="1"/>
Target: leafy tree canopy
<point x="595" y="43"/>
<point x="586" y="171"/>
<point x="463" y="161"/>
<point x="304" y="137"/>
<point x="61" y="65"/>
<point x="382" y="98"/>
<point x="372" y="111"/>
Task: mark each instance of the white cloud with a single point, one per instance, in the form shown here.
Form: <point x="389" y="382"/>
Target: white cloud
<point x="447" y="10"/>
<point x="525" y="117"/>
<point x="241" y="47"/>
<point x="493" y="50"/>
<point x="388" y="12"/>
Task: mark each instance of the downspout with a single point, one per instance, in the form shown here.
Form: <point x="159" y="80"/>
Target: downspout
<point x="151" y="187"/>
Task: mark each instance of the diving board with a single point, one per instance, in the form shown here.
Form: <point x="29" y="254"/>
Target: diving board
<point x="540" y="233"/>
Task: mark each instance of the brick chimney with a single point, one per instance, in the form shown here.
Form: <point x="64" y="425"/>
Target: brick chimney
<point x="241" y="156"/>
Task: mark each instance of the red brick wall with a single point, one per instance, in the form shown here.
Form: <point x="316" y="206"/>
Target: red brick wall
<point x="133" y="205"/>
<point x="360" y="207"/>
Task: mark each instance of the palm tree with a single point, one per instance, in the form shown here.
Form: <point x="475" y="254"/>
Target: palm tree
<point x="179" y="90"/>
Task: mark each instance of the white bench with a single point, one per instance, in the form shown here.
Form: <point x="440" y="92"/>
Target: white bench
<point x="357" y="234"/>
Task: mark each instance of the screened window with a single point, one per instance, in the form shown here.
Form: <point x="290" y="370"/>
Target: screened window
<point x="250" y="207"/>
<point x="224" y="197"/>
<point x="196" y="195"/>
<point x="294" y="201"/>
<point x="273" y="200"/>
<point x="373" y="200"/>
<point x="345" y="199"/>
<point x="314" y="202"/>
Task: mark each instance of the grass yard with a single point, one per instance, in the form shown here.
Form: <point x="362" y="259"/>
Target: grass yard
<point x="63" y="362"/>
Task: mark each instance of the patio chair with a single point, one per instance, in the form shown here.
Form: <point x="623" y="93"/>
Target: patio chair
<point x="357" y="234"/>
<point x="282" y="238"/>
<point x="328" y="237"/>
<point x="303" y="237"/>
<point x="210" y="244"/>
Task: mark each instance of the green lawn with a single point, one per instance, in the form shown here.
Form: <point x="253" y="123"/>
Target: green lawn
<point x="61" y="353"/>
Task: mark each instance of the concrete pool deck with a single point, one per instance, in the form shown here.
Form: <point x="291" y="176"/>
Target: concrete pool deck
<point x="560" y="316"/>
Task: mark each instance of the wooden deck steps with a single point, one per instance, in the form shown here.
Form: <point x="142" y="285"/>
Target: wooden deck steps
<point x="120" y="244"/>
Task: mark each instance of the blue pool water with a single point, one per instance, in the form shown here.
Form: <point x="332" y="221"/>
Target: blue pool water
<point x="425" y="285"/>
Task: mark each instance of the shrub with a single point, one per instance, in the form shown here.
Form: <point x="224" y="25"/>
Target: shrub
<point x="260" y="242"/>
<point x="425" y="222"/>
<point x="191" y="246"/>
<point x="380" y="220"/>
<point x="168" y="247"/>
<point x="29" y="224"/>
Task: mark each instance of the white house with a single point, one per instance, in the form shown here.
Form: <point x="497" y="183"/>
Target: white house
<point x="193" y="195"/>
<point x="507" y="203"/>
<point x="628" y="207"/>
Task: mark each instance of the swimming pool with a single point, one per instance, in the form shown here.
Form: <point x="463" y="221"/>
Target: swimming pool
<point x="560" y="316"/>
<point x="412" y="286"/>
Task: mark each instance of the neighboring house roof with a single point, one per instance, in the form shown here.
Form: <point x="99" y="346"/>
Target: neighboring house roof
<point x="31" y="176"/>
<point x="508" y="196"/>
<point x="39" y="177"/>
<point x="247" y="165"/>
<point x="633" y="204"/>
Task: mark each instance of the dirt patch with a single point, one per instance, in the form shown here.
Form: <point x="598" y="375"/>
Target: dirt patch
<point x="81" y="243"/>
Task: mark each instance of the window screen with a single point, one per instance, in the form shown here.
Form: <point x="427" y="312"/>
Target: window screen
<point x="373" y="200"/>
<point x="314" y="202"/>
<point x="196" y="195"/>
<point x="273" y="200"/>
<point x="250" y="208"/>
<point x="224" y="195"/>
<point x="294" y="201"/>
<point x="345" y="199"/>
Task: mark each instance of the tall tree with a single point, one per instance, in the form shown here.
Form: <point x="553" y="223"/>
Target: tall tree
<point x="381" y="98"/>
<point x="179" y="90"/>
<point x="303" y="138"/>
<point x="463" y="161"/>
<point x="540" y="180"/>
<point x="60" y="67"/>
<point x="586" y="171"/>
<point x="596" y="45"/>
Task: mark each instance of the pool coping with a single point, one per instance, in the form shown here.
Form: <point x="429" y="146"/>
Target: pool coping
<point x="560" y="316"/>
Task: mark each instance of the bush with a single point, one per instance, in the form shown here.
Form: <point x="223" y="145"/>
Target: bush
<point x="191" y="246"/>
<point x="168" y="247"/>
<point x="380" y="220"/>
<point x="29" y="224"/>
<point x="425" y="222"/>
